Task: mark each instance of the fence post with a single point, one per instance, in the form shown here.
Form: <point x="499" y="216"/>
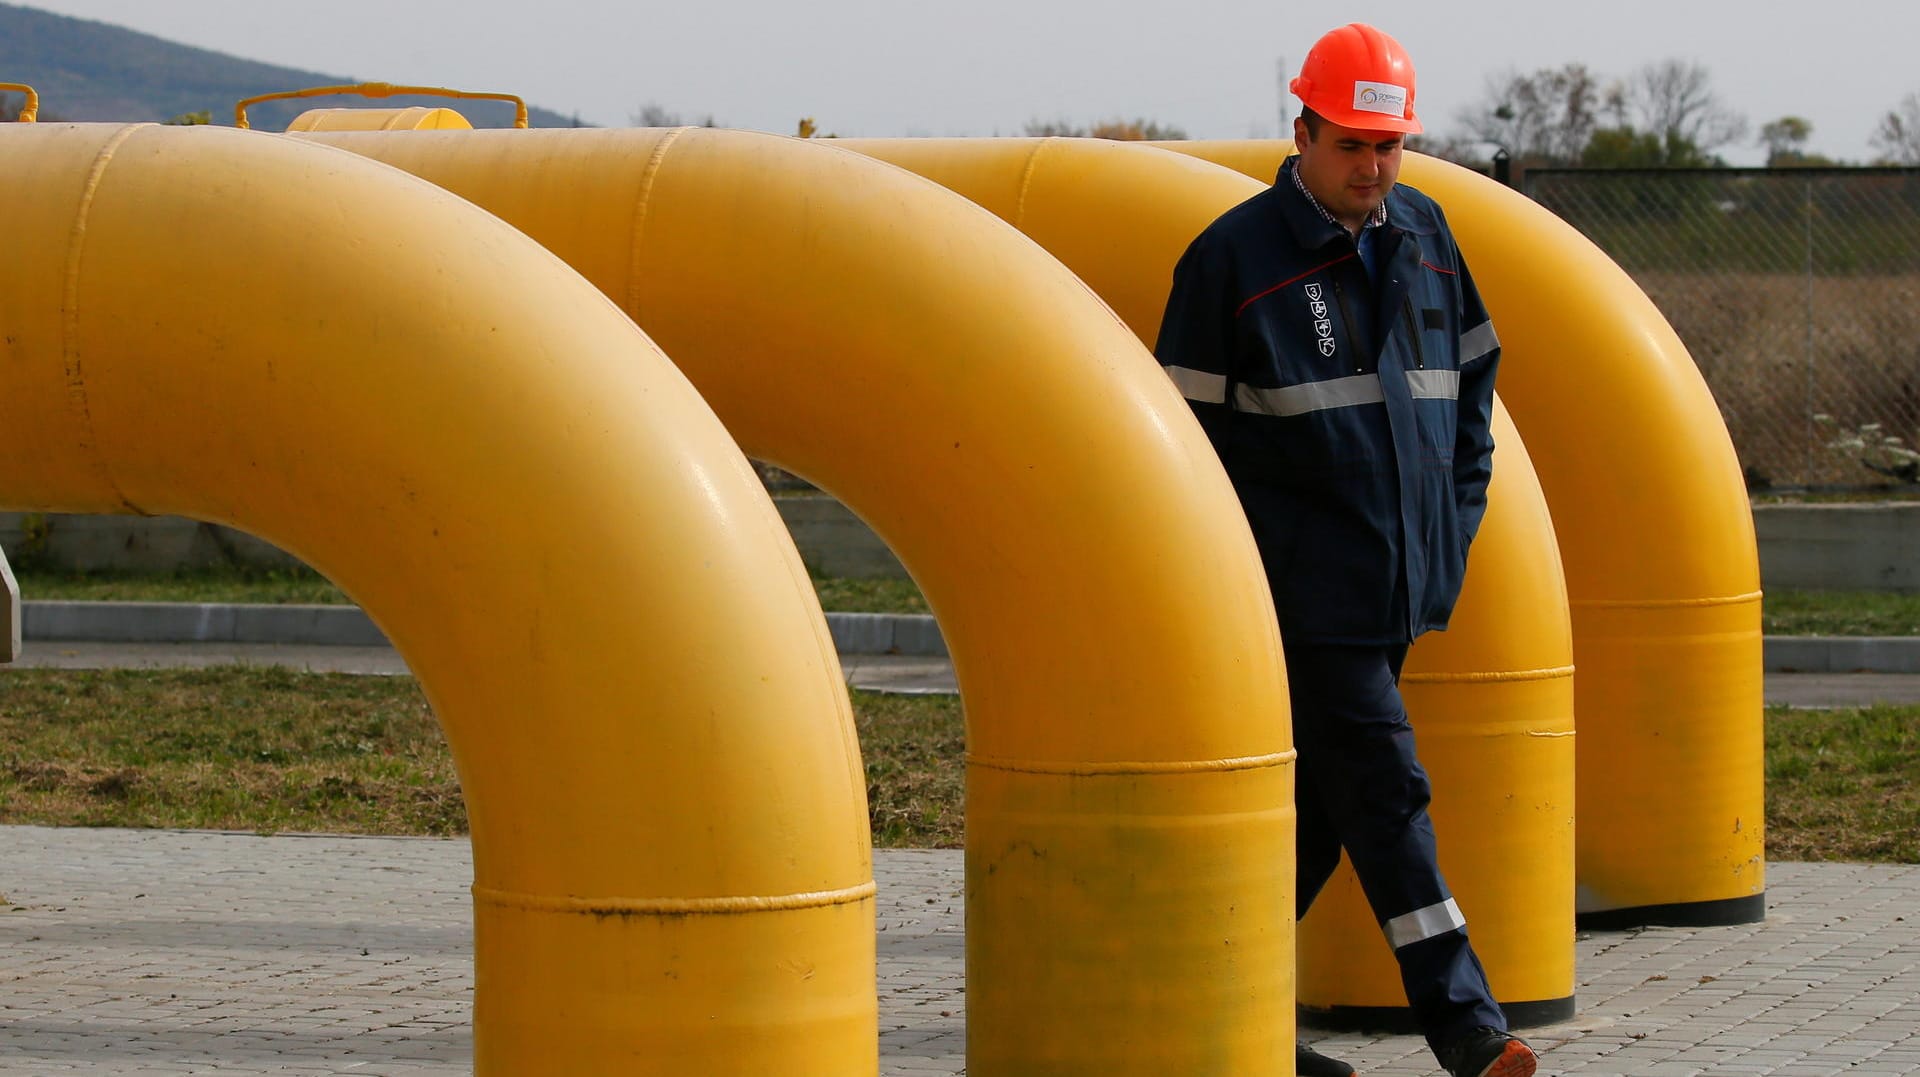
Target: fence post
<point x="9" y="613"/>
<point x="1813" y="436"/>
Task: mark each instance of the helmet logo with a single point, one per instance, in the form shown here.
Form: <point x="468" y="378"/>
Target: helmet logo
<point x="1382" y="97"/>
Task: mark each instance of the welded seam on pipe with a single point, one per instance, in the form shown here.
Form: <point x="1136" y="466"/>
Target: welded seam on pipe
<point x="76" y="380"/>
<point x="1545" y="673"/>
<point x="640" y="207"/>
<point x="692" y="906"/>
<point x="1663" y="603"/>
<point x="1192" y="766"/>
<point x="1026" y="180"/>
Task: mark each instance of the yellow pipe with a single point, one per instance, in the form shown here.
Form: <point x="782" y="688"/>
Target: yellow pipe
<point x="379" y="90"/>
<point x="416" y="118"/>
<point x="30" y="108"/>
<point x="1662" y="566"/>
<point x="1491" y="697"/>
<point x="671" y="865"/>
<point x="1129" y="820"/>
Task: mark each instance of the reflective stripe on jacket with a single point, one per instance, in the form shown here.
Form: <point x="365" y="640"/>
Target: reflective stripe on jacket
<point x="1353" y="420"/>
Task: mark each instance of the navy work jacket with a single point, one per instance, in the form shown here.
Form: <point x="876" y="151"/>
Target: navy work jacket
<point x="1352" y="419"/>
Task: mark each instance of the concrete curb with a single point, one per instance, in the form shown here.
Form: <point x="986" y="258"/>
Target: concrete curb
<point x="853" y="633"/>
<point x="348" y="626"/>
<point x="1842" y="654"/>
<point x="196" y="622"/>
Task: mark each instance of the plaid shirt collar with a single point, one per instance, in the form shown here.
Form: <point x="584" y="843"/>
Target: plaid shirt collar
<point x="1376" y="219"/>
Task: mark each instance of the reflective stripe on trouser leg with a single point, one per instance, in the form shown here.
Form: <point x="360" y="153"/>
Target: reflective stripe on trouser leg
<point x="1422" y="924"/>
<point x="1357" y="760"/>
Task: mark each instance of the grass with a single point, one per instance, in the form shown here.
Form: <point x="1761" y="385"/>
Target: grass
<point x="915" y="750"/>
<point x="270" y="586"/>
<point x="226" y="748"/>
<point x="267" y="749"/>
<point x="1840" y="613"/>
<point x="1790" y="613"/>
<point x="885" y="595"/>
<point x="280" y="587"/>
<point x="1844" y="784"/>
<point x="263" y="749"/>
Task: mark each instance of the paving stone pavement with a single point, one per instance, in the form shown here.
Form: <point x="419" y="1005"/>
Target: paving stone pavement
<point x="170" y="952"/>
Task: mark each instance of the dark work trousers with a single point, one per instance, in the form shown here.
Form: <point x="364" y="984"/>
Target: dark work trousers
<point x="1362" y="789"/>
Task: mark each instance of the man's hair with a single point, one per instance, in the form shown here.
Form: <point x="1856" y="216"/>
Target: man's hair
<point x="1314" y="120"/>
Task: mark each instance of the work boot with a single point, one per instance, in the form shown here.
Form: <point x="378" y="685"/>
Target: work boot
<point x="1489" y="1052"/>
<point x="1308" y="1062"/>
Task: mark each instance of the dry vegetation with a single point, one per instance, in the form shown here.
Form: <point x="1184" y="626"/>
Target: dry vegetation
<point x="1776" y="349"/>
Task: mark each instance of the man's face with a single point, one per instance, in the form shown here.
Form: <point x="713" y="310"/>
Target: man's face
<point x="1348" y="169"/>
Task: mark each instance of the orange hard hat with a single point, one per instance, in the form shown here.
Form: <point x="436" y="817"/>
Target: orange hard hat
<point x="1358" y="76"/>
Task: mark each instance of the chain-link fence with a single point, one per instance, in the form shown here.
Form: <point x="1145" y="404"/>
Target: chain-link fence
<point x="1796" y="290"/>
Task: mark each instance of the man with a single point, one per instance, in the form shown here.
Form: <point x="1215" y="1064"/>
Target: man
<point x="1336" y="351"/>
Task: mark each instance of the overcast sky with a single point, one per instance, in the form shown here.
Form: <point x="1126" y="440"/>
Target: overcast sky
<point x="979" y="67"/>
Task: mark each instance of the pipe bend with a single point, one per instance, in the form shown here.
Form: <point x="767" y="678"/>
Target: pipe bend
<point x="538" y="509"/>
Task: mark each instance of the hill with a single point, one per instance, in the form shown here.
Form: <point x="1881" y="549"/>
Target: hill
<point x="86" y="70"/>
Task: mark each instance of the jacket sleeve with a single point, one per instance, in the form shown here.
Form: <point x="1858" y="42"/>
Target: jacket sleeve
<point x="1195" y="346"/>
<point x="1473" y="445"/>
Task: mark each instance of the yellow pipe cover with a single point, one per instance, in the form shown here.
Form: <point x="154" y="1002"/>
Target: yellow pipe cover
<point x="1491" y="696"/>
<point x="1129" y="820"/>
<point x="1657" y="534"/>
<point x="670" y="845"/>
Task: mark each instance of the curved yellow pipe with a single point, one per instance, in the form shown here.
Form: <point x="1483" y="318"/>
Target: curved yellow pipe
<point x="670" y="849"/>
<point x="1662" y="567"/>
<point x="1491" y="697"/>
<point x="1129" y="819"/>
<point x="414" y="118"/>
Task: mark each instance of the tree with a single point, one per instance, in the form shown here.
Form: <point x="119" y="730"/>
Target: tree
<point x="1786" y="141"/>
<point x="1626" y="147"/>
<point x="1137" y="130"/>
<point x="1053" y="129"/>
<point x="654" y="114"/>
<point x="1673" y="100"/>
<point x="1466" y="151"/>
<point x="1117" y="129"/>
<point x="1898" y="136"/>
<point x="1623" y="147"/>
<point x="1784" y="137"/>
<point x="1545" y="118"/>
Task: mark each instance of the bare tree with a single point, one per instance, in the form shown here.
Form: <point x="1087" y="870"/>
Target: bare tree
<point x="1898" y="136"/>
<point x="1545" y="117"/>
<point x="1464" y="150"/>
<point x="654" y="114"/>
<point x="1674" y="101"/>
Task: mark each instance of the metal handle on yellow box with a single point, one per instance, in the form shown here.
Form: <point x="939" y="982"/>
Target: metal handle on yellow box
<point x="381" y="90"/>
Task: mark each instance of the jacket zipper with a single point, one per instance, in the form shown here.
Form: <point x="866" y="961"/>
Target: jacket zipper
<point x="1346" y="320"/>
<point x="1413" y="334"/>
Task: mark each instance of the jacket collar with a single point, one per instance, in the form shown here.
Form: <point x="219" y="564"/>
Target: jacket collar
<point x="1313" y="225"/>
